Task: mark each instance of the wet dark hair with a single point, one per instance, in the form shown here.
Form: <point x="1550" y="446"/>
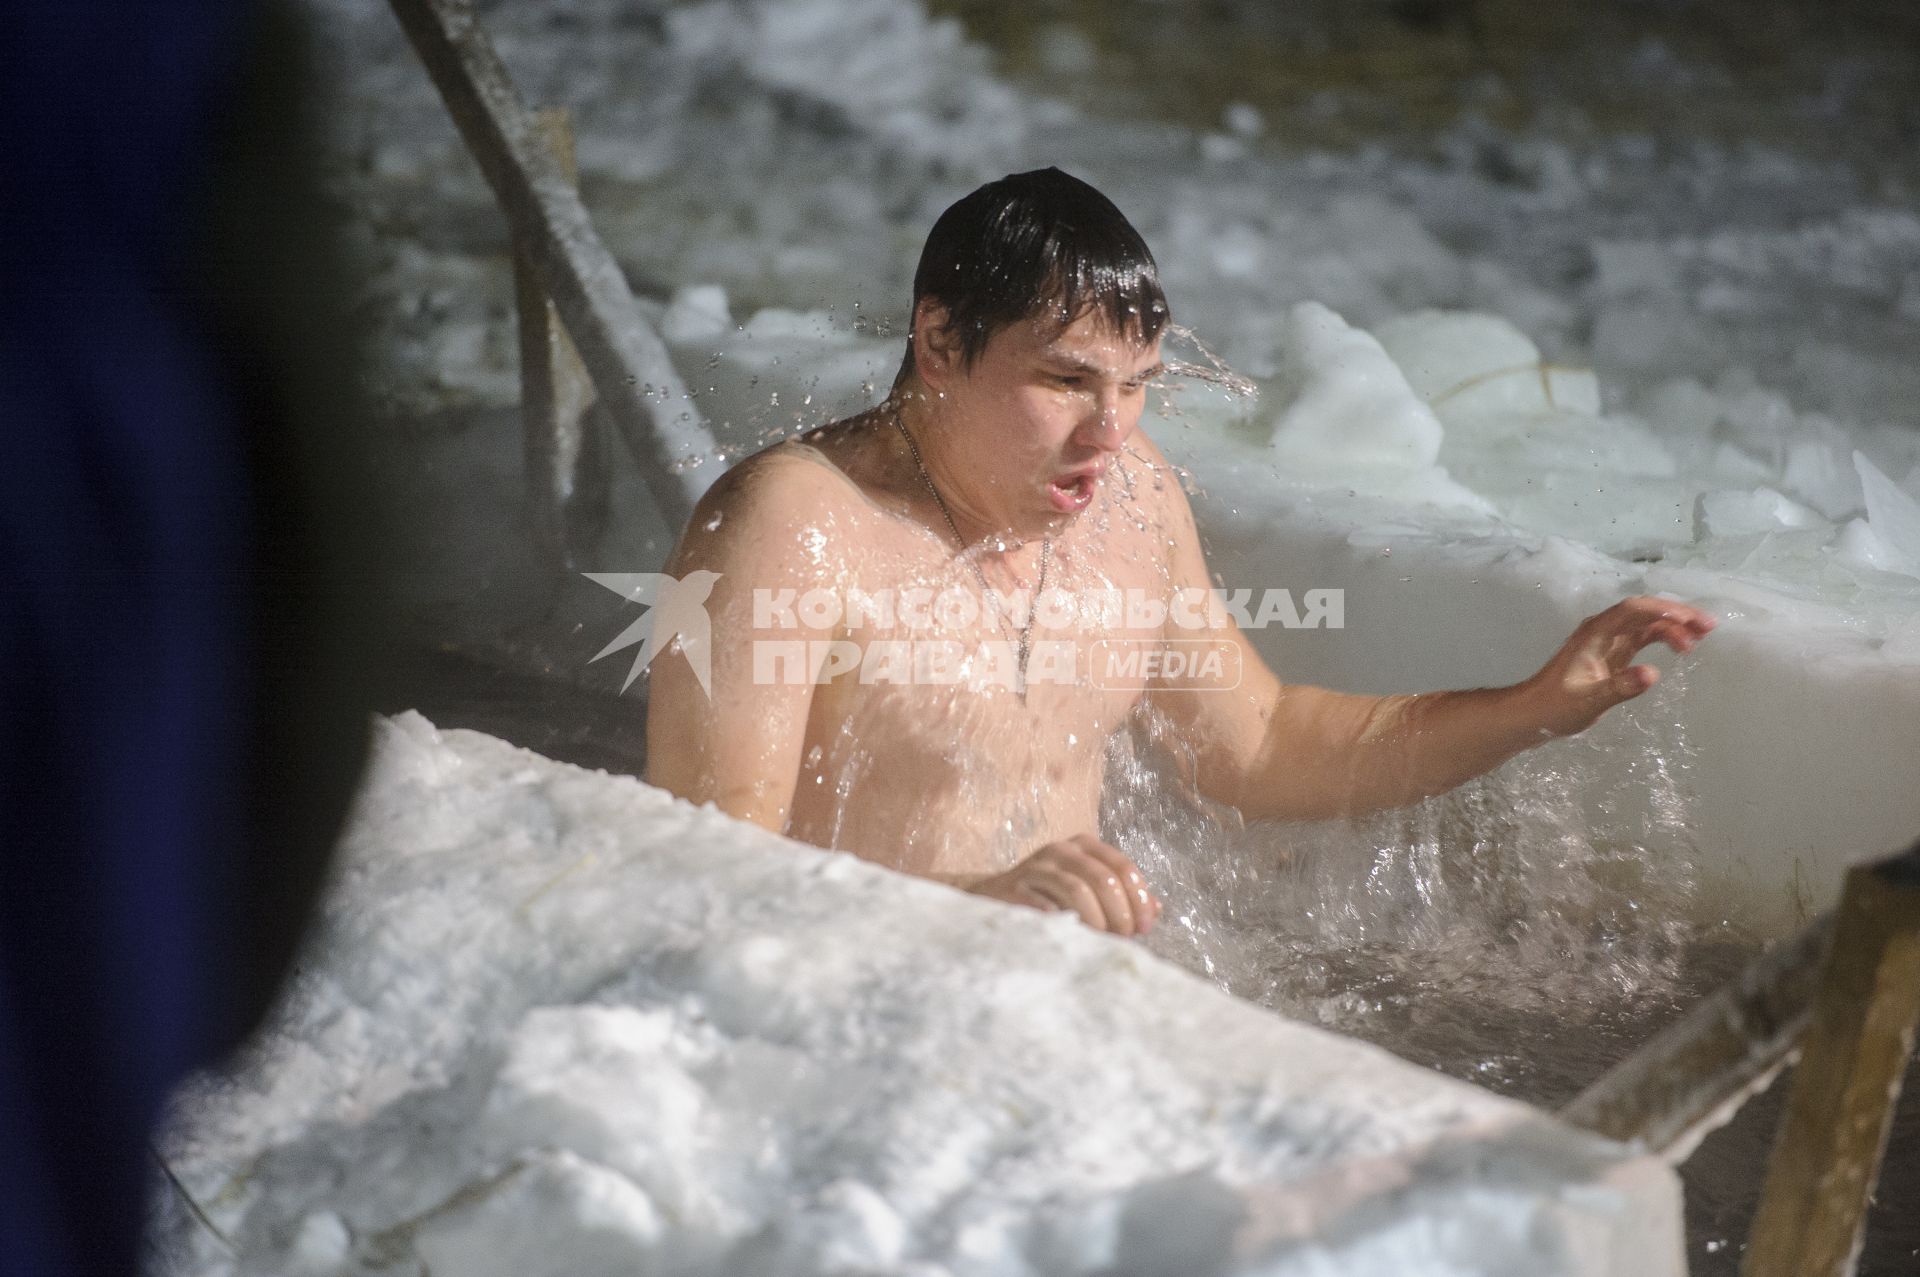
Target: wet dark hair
<point x="1031" y="242"/>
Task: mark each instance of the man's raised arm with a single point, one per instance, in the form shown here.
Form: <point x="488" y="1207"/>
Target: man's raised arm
<point x="1296" y="752"/>
<point x="740" y="746"/>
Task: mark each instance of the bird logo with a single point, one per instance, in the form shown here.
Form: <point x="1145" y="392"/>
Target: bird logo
<point x="676" y="610"/>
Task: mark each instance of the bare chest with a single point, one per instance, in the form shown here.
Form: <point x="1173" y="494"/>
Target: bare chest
<point x="962" y="705"/>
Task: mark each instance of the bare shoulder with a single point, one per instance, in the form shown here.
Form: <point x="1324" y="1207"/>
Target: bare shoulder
<point x="779" y="506"/>
<point x="794" y="472"/>
<point x="1156" y="492"/>
<point x="1155" y="484"/>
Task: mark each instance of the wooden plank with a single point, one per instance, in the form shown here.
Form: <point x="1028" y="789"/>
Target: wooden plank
<point x="1834" y="1132"/>
<point x="565" y="466"/>
<point x="1686" y="1078"/>
<point x="620" y="349"/>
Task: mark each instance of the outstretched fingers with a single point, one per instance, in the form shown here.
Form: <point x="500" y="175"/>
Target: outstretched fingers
<point x="1595" y="668"/>
<point x="1678" y="625"/>
<point x="1639" y="622"/>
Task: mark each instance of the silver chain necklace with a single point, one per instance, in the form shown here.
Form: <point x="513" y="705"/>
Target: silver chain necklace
<point x="1046" y="554"/>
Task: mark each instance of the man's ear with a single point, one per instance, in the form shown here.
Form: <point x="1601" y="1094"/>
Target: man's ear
<point x="936" y="347"/>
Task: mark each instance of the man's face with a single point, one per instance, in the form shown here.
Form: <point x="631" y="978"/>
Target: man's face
<point x="1044" y="409"/>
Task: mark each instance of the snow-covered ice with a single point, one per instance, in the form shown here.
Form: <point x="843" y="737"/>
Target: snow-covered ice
<point x="557" y="1022"/>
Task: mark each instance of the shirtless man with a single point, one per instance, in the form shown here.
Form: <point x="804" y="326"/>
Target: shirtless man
<point x="1010" y="458"/>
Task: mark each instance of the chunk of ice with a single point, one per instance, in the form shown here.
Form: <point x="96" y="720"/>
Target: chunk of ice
<point x="1726" y="513"/>
<point x="1893" y="515"/>
<point x="1466" y="364"/>
<point x="698" y="312"/>
<point x="1347" y="402"/>
<point x="1859" y="545"/>
<point x="1816" y="474"/>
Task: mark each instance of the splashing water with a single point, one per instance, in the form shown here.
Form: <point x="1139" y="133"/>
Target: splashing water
<point x="1212" y="370"/>
<point x="1555" y="897"/>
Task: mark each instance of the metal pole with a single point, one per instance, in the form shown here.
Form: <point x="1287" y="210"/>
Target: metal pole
<point x="565" y="448"/>
<point x="636" y="380"/>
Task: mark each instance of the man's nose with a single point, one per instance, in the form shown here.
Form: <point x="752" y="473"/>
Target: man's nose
<point x="1109" y="423"/>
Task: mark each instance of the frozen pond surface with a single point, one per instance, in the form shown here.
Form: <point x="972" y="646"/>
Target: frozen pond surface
<point x="1746" y="298"/>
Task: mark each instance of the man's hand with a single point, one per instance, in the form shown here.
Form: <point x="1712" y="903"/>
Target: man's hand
<point x="1593" y="670"/>
<point x="1079" y="875"/>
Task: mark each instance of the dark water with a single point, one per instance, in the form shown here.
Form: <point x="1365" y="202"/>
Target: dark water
<point x="1547" y="1058"/>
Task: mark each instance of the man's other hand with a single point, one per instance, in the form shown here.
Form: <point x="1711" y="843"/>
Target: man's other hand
<point x="1593" y="671"/>
<point x="1079" y="875"/>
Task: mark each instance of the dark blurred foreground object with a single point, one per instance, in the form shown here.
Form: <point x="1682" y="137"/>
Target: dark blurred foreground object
<point x="181" y="615"/>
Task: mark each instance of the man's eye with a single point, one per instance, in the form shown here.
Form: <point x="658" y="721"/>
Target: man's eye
<point x="1072" y="382"/>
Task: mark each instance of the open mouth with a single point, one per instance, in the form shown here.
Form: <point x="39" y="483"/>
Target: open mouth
<point x="1072" y="494"/>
